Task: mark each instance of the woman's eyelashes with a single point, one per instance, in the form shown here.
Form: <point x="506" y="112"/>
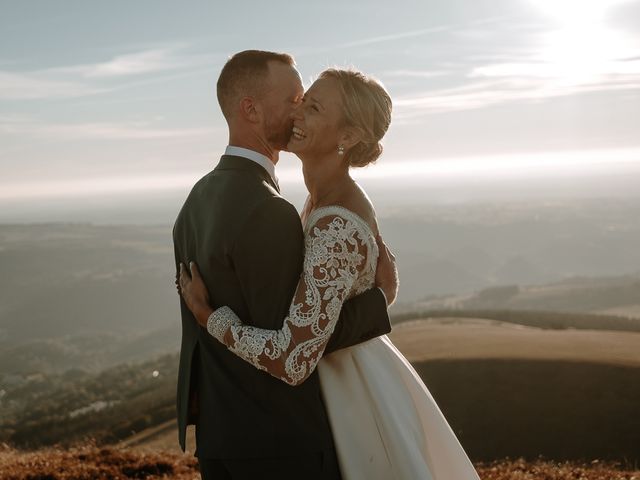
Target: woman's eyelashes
<point x="313" y="106"/>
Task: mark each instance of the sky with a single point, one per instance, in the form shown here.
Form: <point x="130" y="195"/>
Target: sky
<point x="106" y="101"/>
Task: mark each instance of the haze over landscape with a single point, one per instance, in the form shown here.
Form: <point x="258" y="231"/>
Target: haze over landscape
<point x="509" y="190"/>
<point x="491" y="99"/>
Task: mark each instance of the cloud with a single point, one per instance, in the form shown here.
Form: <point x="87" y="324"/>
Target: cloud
<point x="301" y="51"/>
<point x="573" y="60"/>
<point x="482" y="94"/>
<point x="393" y="36"/>
<point x="143" y="62"/>
<point x="31" y="86"/>
<point x="100" y="131"/>
<point x="100" y="77"/>
<point x="417" y="73"/>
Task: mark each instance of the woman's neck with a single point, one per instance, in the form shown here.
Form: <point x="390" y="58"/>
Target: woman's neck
<point x="327" y="185"/>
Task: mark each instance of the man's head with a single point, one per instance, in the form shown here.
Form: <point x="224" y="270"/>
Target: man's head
<point x="257" y="92"/>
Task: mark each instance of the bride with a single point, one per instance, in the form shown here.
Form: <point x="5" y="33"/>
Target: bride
<point x="385" y="423"/>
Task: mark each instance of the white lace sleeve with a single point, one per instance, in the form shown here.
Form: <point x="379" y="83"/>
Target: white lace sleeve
<point x="335" y="254"/>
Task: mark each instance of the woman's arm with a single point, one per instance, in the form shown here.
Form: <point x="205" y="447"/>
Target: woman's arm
<point x="335" y="254"/>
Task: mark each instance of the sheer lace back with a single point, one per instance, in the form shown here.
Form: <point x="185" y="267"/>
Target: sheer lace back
<point x="340" y="261"/>
<point x="366" y="278"/>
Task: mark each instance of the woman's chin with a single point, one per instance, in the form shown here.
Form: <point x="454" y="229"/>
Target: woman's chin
<point x="295" y="146"/>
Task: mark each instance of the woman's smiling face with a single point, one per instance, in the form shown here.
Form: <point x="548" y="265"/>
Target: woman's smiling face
<point x="317" y="120"/>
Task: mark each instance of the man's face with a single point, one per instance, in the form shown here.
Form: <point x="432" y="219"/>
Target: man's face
<point x="284" y="92"/>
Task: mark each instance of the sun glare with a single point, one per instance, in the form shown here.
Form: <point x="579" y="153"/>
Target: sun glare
<point x="583" y="48"/>
<point x="577" y="11"/>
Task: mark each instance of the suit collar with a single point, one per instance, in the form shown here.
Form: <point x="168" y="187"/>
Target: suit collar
<point x="233" y="162"/>
<point x="262" y="160"/>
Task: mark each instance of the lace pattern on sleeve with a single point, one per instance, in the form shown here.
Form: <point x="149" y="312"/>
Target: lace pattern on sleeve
<point x="337" y="250"/>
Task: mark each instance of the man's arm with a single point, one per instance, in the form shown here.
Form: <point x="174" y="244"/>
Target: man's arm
<point x="369" y="308"/>
<point x="362" y="318"/>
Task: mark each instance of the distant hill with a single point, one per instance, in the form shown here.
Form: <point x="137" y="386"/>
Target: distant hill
<point x="475" y="338"/>
<point x="91" y="353"/>
<point x="58" y="280"/>
<point x="93" y="296"/>
<point x="450" y="249"/>
<point x="531" y="318"/>
<point x="511" y="390"/>
<point x="46" y="409"/>
<point x="615" y="295"/>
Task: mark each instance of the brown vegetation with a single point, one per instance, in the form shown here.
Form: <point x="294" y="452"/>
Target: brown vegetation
<point x="520" y="469"/>
<point x="91" y="462"/>
<point x="565" y="394"/>
<point x="478" y="338"/>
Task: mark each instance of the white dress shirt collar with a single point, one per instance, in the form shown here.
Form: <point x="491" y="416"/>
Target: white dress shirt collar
<point x="252" y="155"/>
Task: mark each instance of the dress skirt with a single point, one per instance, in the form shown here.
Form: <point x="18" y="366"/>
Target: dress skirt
<point x="386" y="425"/>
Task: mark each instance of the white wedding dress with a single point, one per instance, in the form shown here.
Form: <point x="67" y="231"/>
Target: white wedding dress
<point x="385" y="423"/>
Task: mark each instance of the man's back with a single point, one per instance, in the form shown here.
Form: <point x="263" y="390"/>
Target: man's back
<point x="248" y="244"/>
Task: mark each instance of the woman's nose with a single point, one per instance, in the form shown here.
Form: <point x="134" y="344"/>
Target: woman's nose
<point x="296" y="112"/>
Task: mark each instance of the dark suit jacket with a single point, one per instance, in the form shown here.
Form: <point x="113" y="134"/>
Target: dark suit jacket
<point x="248" y="243"/>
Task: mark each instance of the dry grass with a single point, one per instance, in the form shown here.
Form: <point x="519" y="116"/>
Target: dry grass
<point x="546" y="470"/>
<point x="91" y="463"/>
<point x="472" y="338"/>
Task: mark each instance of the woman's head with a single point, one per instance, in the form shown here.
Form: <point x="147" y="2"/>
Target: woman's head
<point x="343" y="108"/>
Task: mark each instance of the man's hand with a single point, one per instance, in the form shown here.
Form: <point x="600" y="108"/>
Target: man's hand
<point x="387" y="272"/>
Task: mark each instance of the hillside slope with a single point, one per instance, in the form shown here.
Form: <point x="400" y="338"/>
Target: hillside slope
<point x="510" y="390"/>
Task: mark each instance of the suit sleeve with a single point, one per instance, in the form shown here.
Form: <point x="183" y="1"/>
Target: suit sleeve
<point x="362" y="318"/>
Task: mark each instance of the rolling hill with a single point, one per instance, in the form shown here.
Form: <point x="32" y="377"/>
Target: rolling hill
<point x="511" y="390"/>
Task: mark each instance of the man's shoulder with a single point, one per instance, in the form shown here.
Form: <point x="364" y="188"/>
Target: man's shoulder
<point x="271" y="217"/>
<point x="236" y="182"/>
<point x="274" y="207"/>
<point x="232" y="193"/>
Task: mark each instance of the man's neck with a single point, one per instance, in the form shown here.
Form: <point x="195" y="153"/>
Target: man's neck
<point x="255" y="143"/>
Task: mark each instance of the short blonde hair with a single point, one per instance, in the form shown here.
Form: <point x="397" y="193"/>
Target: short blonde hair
<point x="244" y="74"/>
<point x="366" y="106"/>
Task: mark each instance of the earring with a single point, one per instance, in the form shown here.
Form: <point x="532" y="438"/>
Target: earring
<point x="340" y="150"/>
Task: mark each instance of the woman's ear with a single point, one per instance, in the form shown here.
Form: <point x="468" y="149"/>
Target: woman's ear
<point x="349" y="136"/>
<point x="250" y="109"/>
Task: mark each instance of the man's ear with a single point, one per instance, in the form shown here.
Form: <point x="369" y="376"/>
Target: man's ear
<point x="250" y="109"/>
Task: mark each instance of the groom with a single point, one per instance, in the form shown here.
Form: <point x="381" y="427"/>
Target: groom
<point x="248" y="243"/>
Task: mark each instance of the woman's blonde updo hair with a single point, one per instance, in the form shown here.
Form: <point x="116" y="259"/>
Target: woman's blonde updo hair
<point x="366" y="107"/>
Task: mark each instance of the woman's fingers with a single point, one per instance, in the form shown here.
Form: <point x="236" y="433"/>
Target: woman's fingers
<point x="386" y="271"/>
<point x="384" y="249"/>
<point x="390" y="253"/>
<point x="194" y="292"/>
<point x="184" y="277"/>
<point x="195" y="273"/>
